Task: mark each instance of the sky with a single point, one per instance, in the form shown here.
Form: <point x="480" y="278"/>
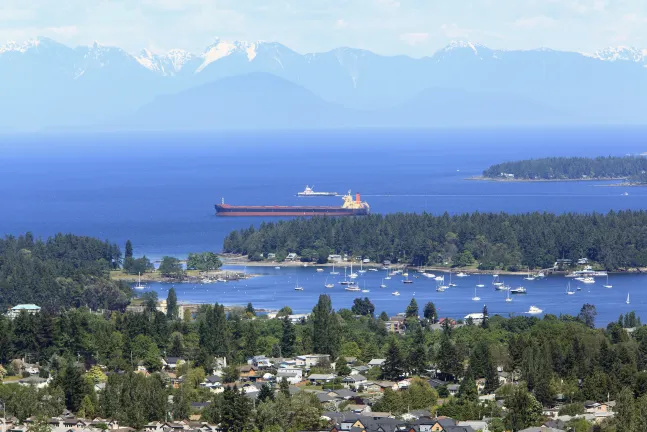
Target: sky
<point x="411" y="27"/>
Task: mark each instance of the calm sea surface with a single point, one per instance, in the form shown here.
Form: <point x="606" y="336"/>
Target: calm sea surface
<point x="159" y="190"/>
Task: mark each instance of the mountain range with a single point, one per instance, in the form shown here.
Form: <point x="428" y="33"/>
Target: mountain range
<point x="244" y="85"/>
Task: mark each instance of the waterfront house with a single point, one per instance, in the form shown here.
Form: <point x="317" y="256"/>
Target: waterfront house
<point x="291" y="256"/>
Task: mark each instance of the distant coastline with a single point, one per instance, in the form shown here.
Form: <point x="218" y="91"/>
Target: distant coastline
<point x="540" y="180"/>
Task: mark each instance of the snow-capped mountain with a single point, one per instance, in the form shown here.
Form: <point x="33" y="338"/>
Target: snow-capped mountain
<point x="46" y="83"/>
<point x="622" y="53"/>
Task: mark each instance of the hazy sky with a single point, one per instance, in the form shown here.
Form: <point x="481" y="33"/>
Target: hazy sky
<point x="414" y="27"/>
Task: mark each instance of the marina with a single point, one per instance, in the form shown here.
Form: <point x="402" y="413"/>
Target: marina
<point x="273" y="289"/>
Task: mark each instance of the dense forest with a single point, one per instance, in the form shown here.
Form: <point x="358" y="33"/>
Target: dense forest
<point x="493" y="241"/>
<point x="556" y="168"/>
<point x="557" y="359"/>
<point x="60" y="272"/>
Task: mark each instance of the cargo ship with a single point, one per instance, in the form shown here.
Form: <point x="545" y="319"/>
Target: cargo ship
<point x="350" y="207"/>
<point x="309" y="192"/>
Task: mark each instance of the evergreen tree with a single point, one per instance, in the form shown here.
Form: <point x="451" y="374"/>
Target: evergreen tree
<point x="74" y="387"/>
<point x="284" y="388"/>
<point x="523" y="410"/>
<point x="587" y="315"/>
<point x="393" y="366"/>
<point x="412" y="309"/>
<point x="326" y="328"/>
<point x="430" y="312"/>
<point x="384" y="316"/>
<point x="625" y="417"/>
<point x="486" y="317"/>
<point x="265" y="393"/>
<point x="417" y="359"/>
<point x="172" y="310"/>
<point x="250" y="310"/>
<point x="467" y="389"/>
<point x="182" y="403"/>
<point x="129" y="250"/>
<point x="288" y="338"/>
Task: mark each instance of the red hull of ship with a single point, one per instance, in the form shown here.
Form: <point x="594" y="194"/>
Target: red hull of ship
<point x="233" y="213"/>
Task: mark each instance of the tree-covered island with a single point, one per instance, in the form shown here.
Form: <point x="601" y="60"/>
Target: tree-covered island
<point x="629" y="168"/>
<point x="616" y="240"/>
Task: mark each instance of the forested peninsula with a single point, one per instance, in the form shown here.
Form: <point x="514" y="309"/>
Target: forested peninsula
<point x="616" y="240"/>
<point x="631" y="168"/>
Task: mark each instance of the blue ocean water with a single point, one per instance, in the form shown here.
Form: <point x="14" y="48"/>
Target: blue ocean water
<point x="159" y="189"/>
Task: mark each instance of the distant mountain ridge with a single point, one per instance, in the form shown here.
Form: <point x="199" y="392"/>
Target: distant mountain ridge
<point x="47" y="84"/>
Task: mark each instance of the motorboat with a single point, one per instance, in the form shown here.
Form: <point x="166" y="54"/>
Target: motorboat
<point x="395" y="293"/>
<point x="353" y="288"/>
<point x="277" y="268"/>
<point x="319" y="270"/>
<point x="588" y="280"/>
<point x="519" y="290"/>
<point x="534" y="310"/>
<point x="461" y="275"/>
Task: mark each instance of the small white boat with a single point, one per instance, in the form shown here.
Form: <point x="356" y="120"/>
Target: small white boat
<point x="139" y="285"/>
<point x="395" y="293"/>
<point x="450" y="284"/>
<point x="333" y="272"/>
<point x="625" y="194"/>
<point x="462" y="275"/>
<point x="439" y="278"/>
<point x="353" y="288"/>
<point x="588" y="280"/>
<point x="372" y="269"/>
<point x="406" y="280"/>
<point x="519" y="290"/>
<point x="319" y="270"/>
<point x="277" y="268"/>
<point x="297" y="287"/>
<point x="508" y="298"/>
<point x="496" y="282"/>
<point x="568" y="290"/>
<point x="382" y="285"/>
<point x="221" y="280"/>
<point x="534" y="310"/>
<point x="529" y="277"/>
<point x="607" y="284"/>
<point x="365" y="290"/>
<point x="627" y="298"/>
<point x="330" y="285"/>
<point x="476" y="298"/>
<point x="361" y="268"/>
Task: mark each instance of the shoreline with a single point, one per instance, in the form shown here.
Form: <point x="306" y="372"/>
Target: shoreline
<point x="192" y="276"/>
<point x="242" y="261"/>
<point x="524" y="180"/>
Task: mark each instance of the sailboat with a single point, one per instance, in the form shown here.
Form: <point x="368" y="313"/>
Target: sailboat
<point x="383" y="285"/>
<point x="352" y="275"/>
<point x="476" y="298"/>
<point x="496" y="282"/>
<point x="529" y="277"/>
<point x="361" y="267"/>
<point x="627" y="298"/>
<point x="388" y="276"/>
<point x="327" y="285"/>
<point x="297" y="287"/>
<point x="365" y="290"/>
<point x="508" y="298"/>
<point x="450" y="280"/>
<point x="568" y="289"/>
<point x="480" y="285"/>
<point x="607" y="285"/>
<point x="333" y="272"/>
<point x="139" y="285"/>
<point x="345" y="281"/>
<point x="406" y="280"/>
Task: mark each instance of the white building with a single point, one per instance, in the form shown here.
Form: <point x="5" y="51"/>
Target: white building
<point x="28" y="308"/>
<point x="292" y="375"/>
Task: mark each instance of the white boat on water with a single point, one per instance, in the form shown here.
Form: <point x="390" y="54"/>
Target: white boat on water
<point x="319" y="270"/>
<point x="361" y="268"/>
<point x="508" y="298"/>
<point x="568" y="290"/>
<point x="382" y="285"/>
<point x="329" y="285"/>
<point x="372" y="269"/>
<point x="627" y="298"/>
<point x="462" y="275"/>
<point x="297" y="287"/>
<point x="439" y="278"/>
<point x="277" y="268"/>
<point x="139" y="285"/>
<point x="353" y="288"/>
<point x="334" y="272"/>
<point x="496" y="282"/>
<point x="534" y="310"/>
<point x="309" y="192"/>
<point x="395" y="293"/>
<point x="365" y="290"/>
<point x="529" y="277"/>
<point x="480" y="285"/>
<point x="450" y="284"/>
<point x="588" y="280"/>
<point x="476" y="298"/>
<point x="519" y="290"/>
<point x="607" y="284"/>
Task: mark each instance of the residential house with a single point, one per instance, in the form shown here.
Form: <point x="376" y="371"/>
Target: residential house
<point x="477" y="425"/>
<point x="376" y="362"/>
<point x="387" y="385"/>
<point x="403" y="384"/>
<point x="248" y="373"/>
<point x="354" y="381"/>
<point x="452" y="389"/>
<point x="260" y="362"/>
<point x="477" y="318"/>
<point x="292" y="375"/>
<point x="291" y="256"/>
<point x="30" y="309"/>
<point x="311" y="360"/>
<point x="371" y="387"/>
<point x="213" y="383"/>
<point x="395" y="326"/>
<point x="172" y="362"/>
<point x="359" y="370"/>
<point x="342" y="394"/>
<point x="321" y="378"/>
<point x="34" y="381"/>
